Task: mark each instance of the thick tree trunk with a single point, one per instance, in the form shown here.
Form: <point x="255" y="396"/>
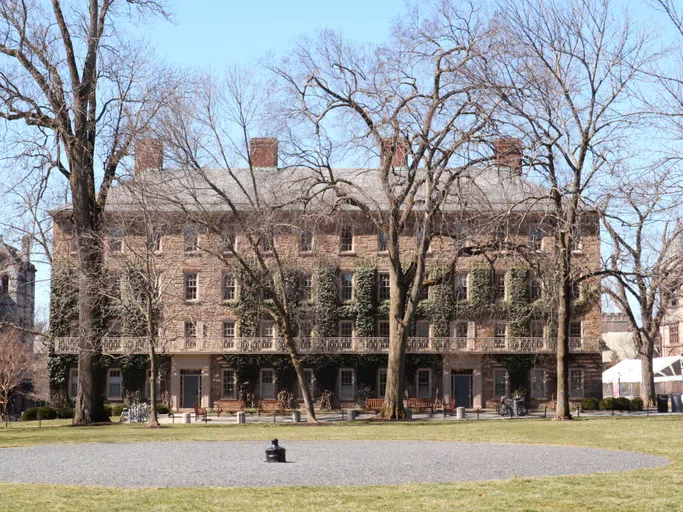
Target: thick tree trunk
<point x="562" y="409"/>
<point x="153" y="414"/>
<point x="647" y="384"/>
<point x="301" y="378"/>
<point x="398" y="337"/>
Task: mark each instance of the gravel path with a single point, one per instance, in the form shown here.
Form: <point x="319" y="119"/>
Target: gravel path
<point x="241" y="463"/>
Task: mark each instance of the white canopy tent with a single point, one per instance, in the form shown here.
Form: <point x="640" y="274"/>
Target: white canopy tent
<point x="624" y="378"/>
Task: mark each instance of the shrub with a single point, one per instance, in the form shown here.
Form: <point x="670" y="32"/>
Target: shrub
<point x="117" y="409"/>
<point x="162" y="408"/>
<point x="46" y="413"/>
<point x="107" y="409"/>
<point x="623" y="404"/>
<point x="637" y="404"/>
<point x="590" y="404"/>
<point x="607" y="404"/>
<point x="30" y="414"/>
<point x="65" y="413"/>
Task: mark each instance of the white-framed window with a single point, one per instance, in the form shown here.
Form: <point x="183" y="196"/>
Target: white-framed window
<point x="306" y="286"/>
<point x="346" y="286"/>
<point x="382" y="242"/>
<point x="306" y="241"/>
<point x="267" y="384"/>
<point x="190" y="239"/>
<point x="310" y="380"/>
<point x="229" y="383"/>
<point x="576" y="383"/>
<point x="190" y="283"/>
<point x="347" y="384"/>
<point x="381" y="382"/>
<point x="383" y="328"/>
<point x="228" y="333"/>
<point x="424" y="382"/>
<point x="114" y="384"/>
<point x="575" y="329"/>
<point x="499" y="286"/>
<point x="265" y="243"/>
<point x="460" y="329"/>
<point x="422" y="328"/>
<point x="535" y="238"/>
<point x="536" y="328"/>
<point x="115" y="240"/>
<point x="383" y="286"/>
<point x="190" y="329"/>
<point x="229" y="287"/>
<point x="346" y="328"/>
<point x="228" y="241"/>
<point x="500" y="382"/>
<point x="346" y="239"/>
<point x="73" y="382"/>
<point x="537" y="383"/>
<point x="154" y="240"/>
<point x="500" y="331"/>
<point x="267" y="328"/>
<point x="461" y="286"/>
<point x="576" y="290"/>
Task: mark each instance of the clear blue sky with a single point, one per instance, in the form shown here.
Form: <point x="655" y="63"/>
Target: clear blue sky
<point x="215" y="33"/>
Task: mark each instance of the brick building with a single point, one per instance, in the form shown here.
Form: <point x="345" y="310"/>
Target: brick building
<point x="463" y="346"/>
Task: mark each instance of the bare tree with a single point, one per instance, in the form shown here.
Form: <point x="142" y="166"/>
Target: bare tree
<point x="563" y="75"/>
<point x="82" y="92"/>
<point x="642" y="219"/>
<point x="413" y="100"/>
<point x="206" y="134"/>
<point x="17" y="365"/>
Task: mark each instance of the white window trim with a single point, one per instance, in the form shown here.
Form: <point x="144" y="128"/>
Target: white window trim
<point x="379" y="387"/>
<point x="120" y="395"/>
<point x="234" y="326"/>
<point x="196" y="298"/>
<point x="353" y="286"/>
<point x="234" y="383"/>
<point x="583" y="382"/>
<point x="493" y="378"/>
<point x="260" y="383"/>
<point x="260" y="328"/>
<point x="429" y="327"/>
<point x="380" y="322"/>
<point x="353" y="383"/>
<point x="353" y="239"/>
<point x="380" y="299"/>
<point x="73" y="372"/>
<point x="307" y="251"/>
<point x="379" y="236"/>
<point x="454" y="328"/>
<point x="353" y="328"/>
<point x="223" y="299"/>
<point x="505" y="286"/>
<point x="417" y="382"/>
<point x="545" y="383"/>
<point x="580" y="322"/>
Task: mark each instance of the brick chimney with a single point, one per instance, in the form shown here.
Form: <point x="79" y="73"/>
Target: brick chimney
<point x="507" y="152"/>
<point x="400" y="157"/>
<point x="263" y="152"/>
<point x="26" y="248"/>
<point x="149" y="154"/>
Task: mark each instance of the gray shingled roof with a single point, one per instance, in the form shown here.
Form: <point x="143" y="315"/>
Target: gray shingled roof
<point x="286" y="188"/>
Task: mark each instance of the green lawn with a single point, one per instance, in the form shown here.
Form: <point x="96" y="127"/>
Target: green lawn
<point x="657" y="489"/>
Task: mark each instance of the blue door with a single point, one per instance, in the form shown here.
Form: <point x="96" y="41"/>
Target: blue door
<point x="461" y="384"/>
<point x="190" y="391"/>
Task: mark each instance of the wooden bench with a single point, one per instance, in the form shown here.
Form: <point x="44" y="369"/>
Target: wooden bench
<point x="448" y="408"/>
<point x="231" y="406"/>
<point x="374" y="404"/>
<point x="420" y="404"/>
<point x="200" y="411"/>
<point x="267" y="406"/>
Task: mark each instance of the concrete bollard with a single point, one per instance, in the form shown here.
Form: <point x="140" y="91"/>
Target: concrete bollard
<point x="351" y="414"/>
<point x="296" y="416"/>
<point x="241" y="417"/>
<point x="187" y="417"/>
<point x="460" y="413"/>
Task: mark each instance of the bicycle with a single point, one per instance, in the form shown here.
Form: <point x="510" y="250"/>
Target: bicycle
<point x="506" y="407"/>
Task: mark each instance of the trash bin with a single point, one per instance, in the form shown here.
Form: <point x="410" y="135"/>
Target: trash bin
<point x="676" y="405"/>
<point x="662" y="403"/>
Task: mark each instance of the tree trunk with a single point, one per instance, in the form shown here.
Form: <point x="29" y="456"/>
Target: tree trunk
<point x="647" y="384"/>
<point x="153" y="415"/>
<point x="393" y="397"/>
<point x="562" y="409"/>
<point x="301" y="378"/>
